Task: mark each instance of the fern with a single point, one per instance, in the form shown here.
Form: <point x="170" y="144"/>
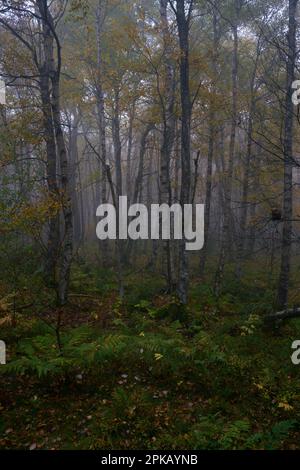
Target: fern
<point x="271" y="440"/>
<point x="234" y="434"/>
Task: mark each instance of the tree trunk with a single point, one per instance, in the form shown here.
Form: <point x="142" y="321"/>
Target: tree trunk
<point x="284" y="277"/>
<point x="183" y="24"/>
<point x="168" y="116"/>
<point x="67" y="242"/>
<point x="73" y="154"/>
<point x="227" y="229"/>
<point x="245" y="190"/>
<point x="129" y="153"/>
<point x="117" y="142"/>
<point x="211" y="144"/>
<point x="53" y="71"/>
<point x="51" y="172"/>
<point x="51" y="167"/>
<point x="101" y="121"/>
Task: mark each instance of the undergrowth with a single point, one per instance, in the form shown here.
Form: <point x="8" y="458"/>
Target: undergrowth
<point x="157" y="376"/>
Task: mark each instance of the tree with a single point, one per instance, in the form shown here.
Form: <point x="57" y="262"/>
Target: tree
<point x="284" y="277"/>
<point x="39" y="23"/>
<point x="168" y="132"/>
<point x="183" y="12"/>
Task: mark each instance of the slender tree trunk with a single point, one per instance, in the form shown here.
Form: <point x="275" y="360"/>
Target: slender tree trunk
<point x="117" y="142"/>
<point x="53" y="68"/>
<point x="119" y="179"/>
<point x="227" y="229"/>
<point x="129" y="153"/>
<point x="283" y="286"/>
<point x="140" y="172"/>
<point x="183" y="24"/>
<point x="255" y="183"/>
<point x="51" y="169"/>
<point x="67" y="242"/>
<point x="81" y="205"/>
<point x="168" y="115"/>
<point x="101" y="121"/>
<point x="73" y="153"/>
<point x="211" y="144"/>
<point x="53" y="244"/>
<point x="245" y="190"/>
<point x="139" y="178"/>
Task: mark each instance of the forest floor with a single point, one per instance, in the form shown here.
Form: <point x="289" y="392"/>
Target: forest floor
<point x="146" y="374"/>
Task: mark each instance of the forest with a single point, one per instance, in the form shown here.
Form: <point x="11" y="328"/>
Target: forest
<point x="177" y="333"/>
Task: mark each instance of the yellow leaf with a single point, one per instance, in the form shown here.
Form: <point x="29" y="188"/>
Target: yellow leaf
<point x="158" y="356"/>
<point x="285" y="406"/>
